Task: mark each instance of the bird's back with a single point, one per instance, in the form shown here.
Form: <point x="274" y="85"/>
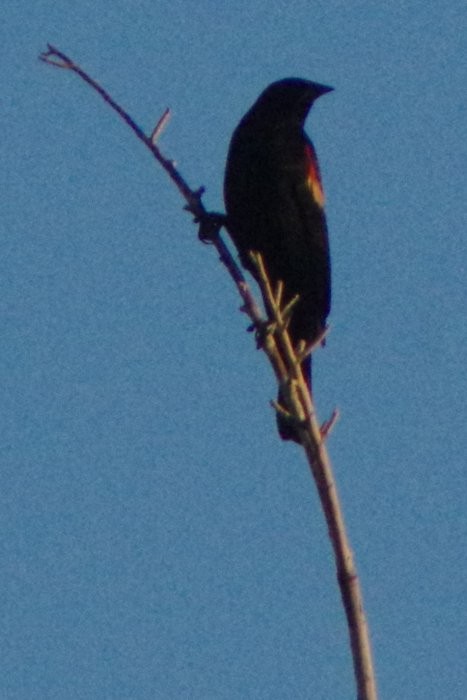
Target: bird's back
<point x="274" y="205"/>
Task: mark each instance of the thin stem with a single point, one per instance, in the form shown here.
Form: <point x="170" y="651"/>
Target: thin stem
<point x="299" y="404"/>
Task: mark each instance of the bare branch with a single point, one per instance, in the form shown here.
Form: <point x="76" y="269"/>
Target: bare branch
<point x="210" y="223"/>
<point x="300" y="410"/>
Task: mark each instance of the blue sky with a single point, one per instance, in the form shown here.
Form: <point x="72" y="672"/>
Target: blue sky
<point x="157" y="539"/>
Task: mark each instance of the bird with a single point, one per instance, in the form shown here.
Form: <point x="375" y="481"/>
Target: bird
<point x="274" y="204"/>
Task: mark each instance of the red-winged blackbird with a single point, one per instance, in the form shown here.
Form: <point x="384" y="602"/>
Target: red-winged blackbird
<point x="274" y="202"/>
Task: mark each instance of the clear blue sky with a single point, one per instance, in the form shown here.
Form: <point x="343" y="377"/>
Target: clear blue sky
<point x="157" y="539"/>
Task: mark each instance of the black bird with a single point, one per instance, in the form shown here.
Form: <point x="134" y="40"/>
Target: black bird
<point x="274" y="202"/>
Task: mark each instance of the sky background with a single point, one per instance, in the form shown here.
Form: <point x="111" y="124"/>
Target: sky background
<point x="157" y="540"/>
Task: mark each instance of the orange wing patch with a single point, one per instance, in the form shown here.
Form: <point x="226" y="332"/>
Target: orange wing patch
<point x="313" y="179"/>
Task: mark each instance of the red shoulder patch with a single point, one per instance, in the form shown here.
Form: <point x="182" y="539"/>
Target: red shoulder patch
<point x="313" y="179"/>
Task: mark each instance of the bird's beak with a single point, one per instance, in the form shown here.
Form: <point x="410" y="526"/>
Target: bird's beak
<point x="323" y="89"/>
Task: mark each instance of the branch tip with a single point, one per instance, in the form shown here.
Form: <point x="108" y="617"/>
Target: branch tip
<point x="160" y="126"/>
<point x="288" y="308"/>
<point x="305" y="350"/>
<point x="279" y="293"/>
<point x="280" y="410"/>
<point x="329" y="424"/>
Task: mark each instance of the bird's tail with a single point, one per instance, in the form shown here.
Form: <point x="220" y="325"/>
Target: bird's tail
<point x="286" y="430"/>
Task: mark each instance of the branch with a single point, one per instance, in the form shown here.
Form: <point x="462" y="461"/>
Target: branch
<point x="301" y="410"/>
<point x="285" y="360"/>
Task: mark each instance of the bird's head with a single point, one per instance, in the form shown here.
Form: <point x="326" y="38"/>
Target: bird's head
<point x="289" y="99"/>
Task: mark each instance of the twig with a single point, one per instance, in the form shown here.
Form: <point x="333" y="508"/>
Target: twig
<point x="329" y="424"/>
<point x="301" y="410"/>
<point x="160" y="126"/>
<point x="286" y="363"/>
